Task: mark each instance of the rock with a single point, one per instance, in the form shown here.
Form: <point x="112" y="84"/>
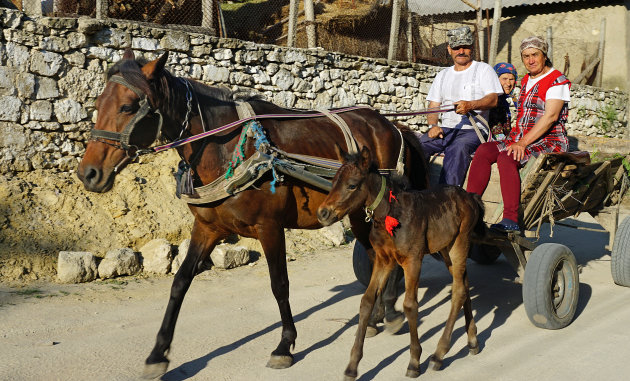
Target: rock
<point x="335" y="233"/>
<point x="156" y="256"/>
<point x="226" y="256"/>
<point x="182" y="250"/>
<point x="119" y="262"/>
<point x="76" y="267"/>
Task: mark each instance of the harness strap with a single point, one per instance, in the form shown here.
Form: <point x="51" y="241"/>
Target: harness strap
<point x="470" y="116"/>
<point x="351" y="144"/>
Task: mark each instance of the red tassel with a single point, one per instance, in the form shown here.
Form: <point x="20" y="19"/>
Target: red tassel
<point x="391" y="195"/>
<point x="390" y="224"/>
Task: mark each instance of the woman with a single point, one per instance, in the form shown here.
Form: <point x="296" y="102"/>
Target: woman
<point x="500" y="118"/>
<point x="540" y="127"/>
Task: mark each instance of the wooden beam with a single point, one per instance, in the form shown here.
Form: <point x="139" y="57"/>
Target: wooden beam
<point x="475" y="7"/>
<point x="293" y="13"/>
<point x="207" y="13"/>
<point x="600" y="53"/>
<point x="481" y="32"/>
<point x="409" y="36"/>
<point x="309" y="12"/>
<point x="587" y="72"/>
<point x="550" y="43"/>
<point x="393" y="32"/>
<point x="496" y="25"/>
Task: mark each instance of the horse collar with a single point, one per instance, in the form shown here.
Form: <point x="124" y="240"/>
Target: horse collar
<point x="369" y="210"/>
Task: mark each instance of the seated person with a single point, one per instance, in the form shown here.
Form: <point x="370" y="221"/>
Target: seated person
<point x="500" y="118"/>
<point x="468" y="85"/>
<point x="543" y="107"/>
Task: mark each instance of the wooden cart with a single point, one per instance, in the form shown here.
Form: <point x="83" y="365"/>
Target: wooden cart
<point x="554" y="186"/>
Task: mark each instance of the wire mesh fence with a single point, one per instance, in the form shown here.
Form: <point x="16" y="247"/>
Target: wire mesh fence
<point x="355" y="27"/>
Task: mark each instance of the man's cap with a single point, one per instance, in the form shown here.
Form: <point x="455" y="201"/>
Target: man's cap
<point x="535" y="42"/>
<point x="461" y="36"/>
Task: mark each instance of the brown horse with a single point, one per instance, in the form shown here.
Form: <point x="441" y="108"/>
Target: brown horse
<point x="406" y="226"/>
<point x="156" y="104"/>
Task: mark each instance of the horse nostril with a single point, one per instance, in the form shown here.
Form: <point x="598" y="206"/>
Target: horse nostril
<point x="92" y="175"/>
<point x="322" y="214"/>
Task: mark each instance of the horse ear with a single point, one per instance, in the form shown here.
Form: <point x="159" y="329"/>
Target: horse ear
<point x="128" y="55"/>
<point x="153" y="68"/>
<point x="366" y="158"/>
<point x="341" y="154"/>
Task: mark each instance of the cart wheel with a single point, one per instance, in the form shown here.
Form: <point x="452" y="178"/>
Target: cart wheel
<point x="361" y="264"/>
<point x="620" y="256"/>
<point x="551" y="286"/>
<point x="484" y="254"/>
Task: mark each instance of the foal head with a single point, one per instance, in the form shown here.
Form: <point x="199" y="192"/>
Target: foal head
<point x="350" y="186"/>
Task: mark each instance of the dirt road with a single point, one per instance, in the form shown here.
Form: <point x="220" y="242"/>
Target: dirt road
<point x="229" y="324"/>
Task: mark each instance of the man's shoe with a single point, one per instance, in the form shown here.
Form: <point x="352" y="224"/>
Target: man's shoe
<point x="506" y="225"/>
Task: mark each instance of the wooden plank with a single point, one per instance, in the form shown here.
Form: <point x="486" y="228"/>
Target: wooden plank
<point x="600" y="53"/>
<point x="536" y="203"/>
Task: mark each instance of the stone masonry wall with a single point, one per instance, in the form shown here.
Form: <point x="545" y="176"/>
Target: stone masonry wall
<point x="52" y="70"/>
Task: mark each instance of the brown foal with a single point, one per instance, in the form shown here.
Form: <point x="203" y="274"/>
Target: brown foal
<point x="406" y="225"/>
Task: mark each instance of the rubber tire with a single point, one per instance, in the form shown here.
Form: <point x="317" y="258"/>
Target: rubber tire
<point x="544" y="262"/>
<point x="361" y="264"/>
<point x="620" y="255"/>
<point x="484" y="254"/>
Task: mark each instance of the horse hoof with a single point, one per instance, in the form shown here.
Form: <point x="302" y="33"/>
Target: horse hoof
<point x="473" y="350"/>
<point x="435" y="364"/>
<point x="371" y="331"/>
<point x="393" y="326"/>
<point x="412" y="373"/>
<point x="280" y="362"/>
<point x="156" y="370"/>
<point x="349" y="378"/>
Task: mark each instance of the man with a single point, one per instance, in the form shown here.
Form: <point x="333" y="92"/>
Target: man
<point x="468" y="85"/>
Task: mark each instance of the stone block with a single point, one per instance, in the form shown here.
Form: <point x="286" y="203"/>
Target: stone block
<point x="46" y="63"/>
<point x="69" y="111"/>
<point x="76" y="267"/>
<point x="41" y="110"/>
<point x="157" y="255"/>
<point x="182" y="250"/>
<point x="10" y="108"/>
<point x="226" y="256"/>
<point x="119" y="262"/>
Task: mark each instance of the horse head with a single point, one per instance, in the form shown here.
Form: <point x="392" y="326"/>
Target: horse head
<point x="350" y="186"/>
<point x="128" y="120"/>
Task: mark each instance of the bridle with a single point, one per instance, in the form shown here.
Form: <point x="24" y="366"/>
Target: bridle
<point x="121" y="140"/>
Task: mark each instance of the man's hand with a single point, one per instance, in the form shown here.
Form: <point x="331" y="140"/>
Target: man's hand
<point x="463" y="107"/>
<point x="435" y="131"/>
<point x="517" y="150"/>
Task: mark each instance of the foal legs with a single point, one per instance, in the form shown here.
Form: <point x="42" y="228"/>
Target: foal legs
<point x="460" y="296"/>
<point x="380" y="272"/>
<point x="202" y="243"/>
<point x="412" y="275"/>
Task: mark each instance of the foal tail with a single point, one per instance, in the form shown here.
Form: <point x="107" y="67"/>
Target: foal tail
<point x="480" y="225"/>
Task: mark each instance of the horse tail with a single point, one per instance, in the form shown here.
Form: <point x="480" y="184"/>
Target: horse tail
<point x="418" y="167"/>
<point x="480" y="226"/>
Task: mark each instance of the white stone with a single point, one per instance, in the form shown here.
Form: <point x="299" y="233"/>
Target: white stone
<point x="69" y="111"/>
<point x="335" y="233"/>
<point x="10" y="108"/>
<point x="76" y="267"/>
<point x="156" y="256"/>
<point x="119" y="262"/>
<point x="182" y="250"/>
<point x="226" y="256"/>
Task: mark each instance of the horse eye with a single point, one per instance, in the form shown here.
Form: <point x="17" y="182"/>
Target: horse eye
<point x="126" y="108"/>
<point x="352" y="186"/>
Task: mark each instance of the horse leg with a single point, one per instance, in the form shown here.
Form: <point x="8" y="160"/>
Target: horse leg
<point x="410" y="305"/>
<point x="202" y="242"/>
<point x="457" y="254"/>
<point x="471" y="327"/>
<point x="271" y="236"/>
<point x="377" y="282"/>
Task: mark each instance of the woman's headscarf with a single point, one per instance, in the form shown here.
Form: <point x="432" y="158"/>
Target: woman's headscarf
<point x="504" y="67"/>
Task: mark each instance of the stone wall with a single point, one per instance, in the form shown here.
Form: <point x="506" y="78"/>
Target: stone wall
<point x="52" y="70"/>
